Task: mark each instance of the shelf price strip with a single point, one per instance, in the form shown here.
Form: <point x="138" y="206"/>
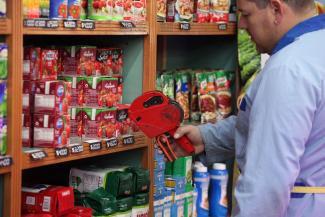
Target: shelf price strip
<point x="184" y="26"/>
<point x="76" y="149"/>
<point x="128" y="140"/>
<point x="5" y="161"/>
<point x="61" y="152"/>
<point x="38" y="155"/>
<point x="112" y="142"/>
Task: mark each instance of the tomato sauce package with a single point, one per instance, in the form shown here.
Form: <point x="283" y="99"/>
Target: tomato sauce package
<point x="32" y="63"/>
<point x="104" y="62"/>
<point x="49" y="65"/>
<point x="76" y="125"/>
<point x="183" y="93"/>
<point x="222" y="84"/>
<point x="58" y="9"/>
<point x="51" y="130"/>
<point x="124" y="126"/>
<point x="119" y="97"/>
<point x="100" y="9"/>
<point x="219" y="11"/>
<point x="74" y="92"/>
<point x="28" y="96"/>
<point x="139" y="11"/>
<point x="184" y="10"/>
<point x="110" y="91"/>
<point x="117" y="61"/>
<point x="27" y="130"/>
<point x="83" y="9"/>
<point x="74" y="7"/>
<point x="52" y="97"/>
<point x="202" y="11"/>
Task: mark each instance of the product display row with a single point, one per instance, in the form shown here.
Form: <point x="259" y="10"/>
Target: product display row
<point x="109" y="10"/>
<point x="3" y="98"/>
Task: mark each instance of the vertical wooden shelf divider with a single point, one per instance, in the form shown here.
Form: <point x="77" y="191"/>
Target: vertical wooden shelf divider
<point x="12" y="194"/>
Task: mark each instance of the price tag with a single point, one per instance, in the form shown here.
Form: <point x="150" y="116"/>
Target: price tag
<point x="112" y="142"/>
<point x="185" y="26"/>
<point x="61" y="152"/>
<point x="29" y="22"/>
<point x="95" y="146"/>
<point x="127" y="24"/>
<point x="38" y="155"/>
<point x="70" y="24"/>
<point x="40" y="23"/>
<point x="128" y="140"/>
<point x="52" y="24"/>
<point x="222" y="26"/>
<point x="76" y="149"/>
<point x="88" y="25"/>
<point x="5" y="161"/>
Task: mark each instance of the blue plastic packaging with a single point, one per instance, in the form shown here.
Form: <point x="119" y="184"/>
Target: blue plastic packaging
<point x="201" y="181"/>
<point x="218" y="190"/>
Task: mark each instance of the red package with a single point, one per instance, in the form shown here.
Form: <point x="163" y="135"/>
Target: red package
<point x="138" y="10"/>
<point x="76" y="126"/>
<point x="51" y="130"/>
<point x="32" y="63"/>
<point x="202" y="11"/>
<point x="43" y="199"/>
<point x="27" y="135"/>
<point x="37" y="215"/>
<point x="28" y="96"/>
<point x="104" y="62"/>
<point x="117" y="61"/>
<point x="110" y="90"/>
<point x="49" y="65"/>
<point x="52" y="97"/>
<point x="119" y="88"/>
<point x="123" y="121"/>
<point x="79" y="211"/>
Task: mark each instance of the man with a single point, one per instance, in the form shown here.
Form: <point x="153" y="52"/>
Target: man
<point x="278" y="136"/>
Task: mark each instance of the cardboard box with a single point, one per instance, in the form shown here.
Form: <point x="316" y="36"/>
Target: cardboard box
<point x="27" y="130"/>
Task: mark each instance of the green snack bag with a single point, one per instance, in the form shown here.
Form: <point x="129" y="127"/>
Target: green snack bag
<point x="169" y="169"/>
<point x="141" y="180"/>
<point x="119" y="183"/>
<point x="124" y="207"/>
<point x="168" y="85"/>
<point x="101" y="202"/>
<point x="140" y="205"/>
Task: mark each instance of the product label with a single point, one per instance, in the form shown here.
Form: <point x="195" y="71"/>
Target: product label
<point x="222" y="26"/>
<point x="61" y="152"/>
<point x="112" y="142"/>
<point x="5" y="161"/>
<point x="46" y="207"/>
<point x="52" y="24"/>
<point x="128" y="140"/>
<point x="70" y="24"/>
<point x="95" y="146"/>
<point x="43" y="134"/>
<point x="77" y="149"/>
<point x="184" y="26"/>
<point x="38" y="155"/>
<point x="127" y="24"/>
<point x="88" y="25"/>
<point x="30" y="200"/>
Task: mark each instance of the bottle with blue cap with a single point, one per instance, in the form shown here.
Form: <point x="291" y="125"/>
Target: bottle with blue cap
<point x="201" y="182"/>
<point x="218" y="190"/>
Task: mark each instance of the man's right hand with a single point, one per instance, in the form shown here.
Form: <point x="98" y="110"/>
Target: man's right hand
<point x="193" y="134"/>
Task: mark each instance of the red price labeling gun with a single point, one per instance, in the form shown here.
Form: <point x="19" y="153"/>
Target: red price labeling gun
<point x="158" y="117"/>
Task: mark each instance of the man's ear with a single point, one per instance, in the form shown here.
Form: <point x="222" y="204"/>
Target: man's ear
<point x="277" y="10"/>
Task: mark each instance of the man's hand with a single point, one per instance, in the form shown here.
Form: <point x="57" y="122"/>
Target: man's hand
<point x="194" y="135"/>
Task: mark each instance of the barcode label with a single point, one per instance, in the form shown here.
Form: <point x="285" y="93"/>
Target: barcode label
<point x="46" y="204"/>
<point x="30" y="200"/>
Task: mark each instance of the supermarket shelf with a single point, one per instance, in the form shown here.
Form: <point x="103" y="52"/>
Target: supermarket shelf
<point x="140" y="142"/>
<point x="5" y="170"/>
<point x="196" y="29"/>
<point x="101" y="28"/>
<point x="5" y="26"/>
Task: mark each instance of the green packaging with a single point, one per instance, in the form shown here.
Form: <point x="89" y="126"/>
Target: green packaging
<point x="3" y="61"/>
<point x="169" y="169"/>
<point x="183" y="167"/>
<point x="44" y="8"/>
<point x="124" y="207"/>
<point x="98" y="11"/>
<point x="141" y="179"/>
<point x="140" y="205"/>
<point x="101" y="202"/>
<point x="119" y="183"/>
<point x="188" y="201"/>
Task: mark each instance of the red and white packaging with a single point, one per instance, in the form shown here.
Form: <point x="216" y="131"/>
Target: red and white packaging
<point x="51" y="130"/>
<point x="219" y="11"/>
<point x="138" y="10"/>
<point x="79" y="211"/>
<point x="76" y="125"/>
<point x="202" y="11"/>
<point x="27" y="130"/>
<point x="49" y="65"/>
<point x="44" y="199"/>
<point x="74" y="91"/>
<point x="52" y="97"/>
<point x="117" y="61"/>
<point x="123" y="121"/>
<point x="32" y="63"/>
<point x="28" y="96"/>
<point x="127" y="15"/>
<point x="119" y="88"/>
<point x="104" y="64"/>
<point x="110" y="90"/>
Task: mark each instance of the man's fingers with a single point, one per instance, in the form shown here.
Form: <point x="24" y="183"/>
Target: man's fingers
<point x="181" y="131"/>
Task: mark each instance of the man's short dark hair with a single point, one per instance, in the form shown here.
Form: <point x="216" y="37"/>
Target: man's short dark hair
<point x="297" y="5"/>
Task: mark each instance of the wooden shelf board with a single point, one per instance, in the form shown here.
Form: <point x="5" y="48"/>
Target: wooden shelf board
<point x="196" y="29"/>
<point x="102" y="28"/>
<point x="140" y="142"/>
<point x="5" y="26"/>
<point x="5" y="170"/>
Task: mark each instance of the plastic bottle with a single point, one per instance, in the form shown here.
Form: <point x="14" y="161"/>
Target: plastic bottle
<point x="218" y="190"/>
<point x="201" y="181"/>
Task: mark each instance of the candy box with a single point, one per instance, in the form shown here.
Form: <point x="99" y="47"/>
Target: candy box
<point x="52" y="97"/>
<point x="74" y="7"/>
<point x="28" y="96"/>
<point x="49" y="65"/>
<point x="51" y="130"/>
<point x="32" y="63"/>
<point x="58" y="9"/>
<point x="3" y="60"/>
<point x="27" y="130"/>
<point x="54" y="200"/>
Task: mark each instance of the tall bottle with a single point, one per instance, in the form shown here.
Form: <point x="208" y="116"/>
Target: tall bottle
<point x="218" y="190"/>
<point x="201" y="181"/>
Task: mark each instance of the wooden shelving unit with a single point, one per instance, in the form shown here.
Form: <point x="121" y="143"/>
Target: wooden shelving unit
<point x="28" y="163"/>
<point x="196" y="29"/>
<point x="5" y="26"/>
<point x="101" y="28"/>
<point x="5" y="170"/>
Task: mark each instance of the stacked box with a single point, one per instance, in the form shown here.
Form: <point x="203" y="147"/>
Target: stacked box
<point x="159" y="176"/>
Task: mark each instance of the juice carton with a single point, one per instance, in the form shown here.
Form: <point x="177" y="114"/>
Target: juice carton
<point x="118" y="10"/>
<point x="27" y="135"/>
<point x="74" y="92"/>
<point x="44" y="8"/>
<point x="32" y="63"/>
<point x="58" y="9"/>
<point x="28" y="96"/>
<point x="74" y="7"/>
<point x="3" y="61"/>
<point x="52" y="97"/>
<point x="49" y="65"/>
<point x="138" y="10"/>
<point x="51" y="130"/>
<point x="100" y="9"/>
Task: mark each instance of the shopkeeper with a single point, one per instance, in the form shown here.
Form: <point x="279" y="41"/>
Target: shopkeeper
<point x="278" y="136"/>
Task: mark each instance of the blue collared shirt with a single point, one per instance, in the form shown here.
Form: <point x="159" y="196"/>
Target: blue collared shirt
<point x="278" y="136"/>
